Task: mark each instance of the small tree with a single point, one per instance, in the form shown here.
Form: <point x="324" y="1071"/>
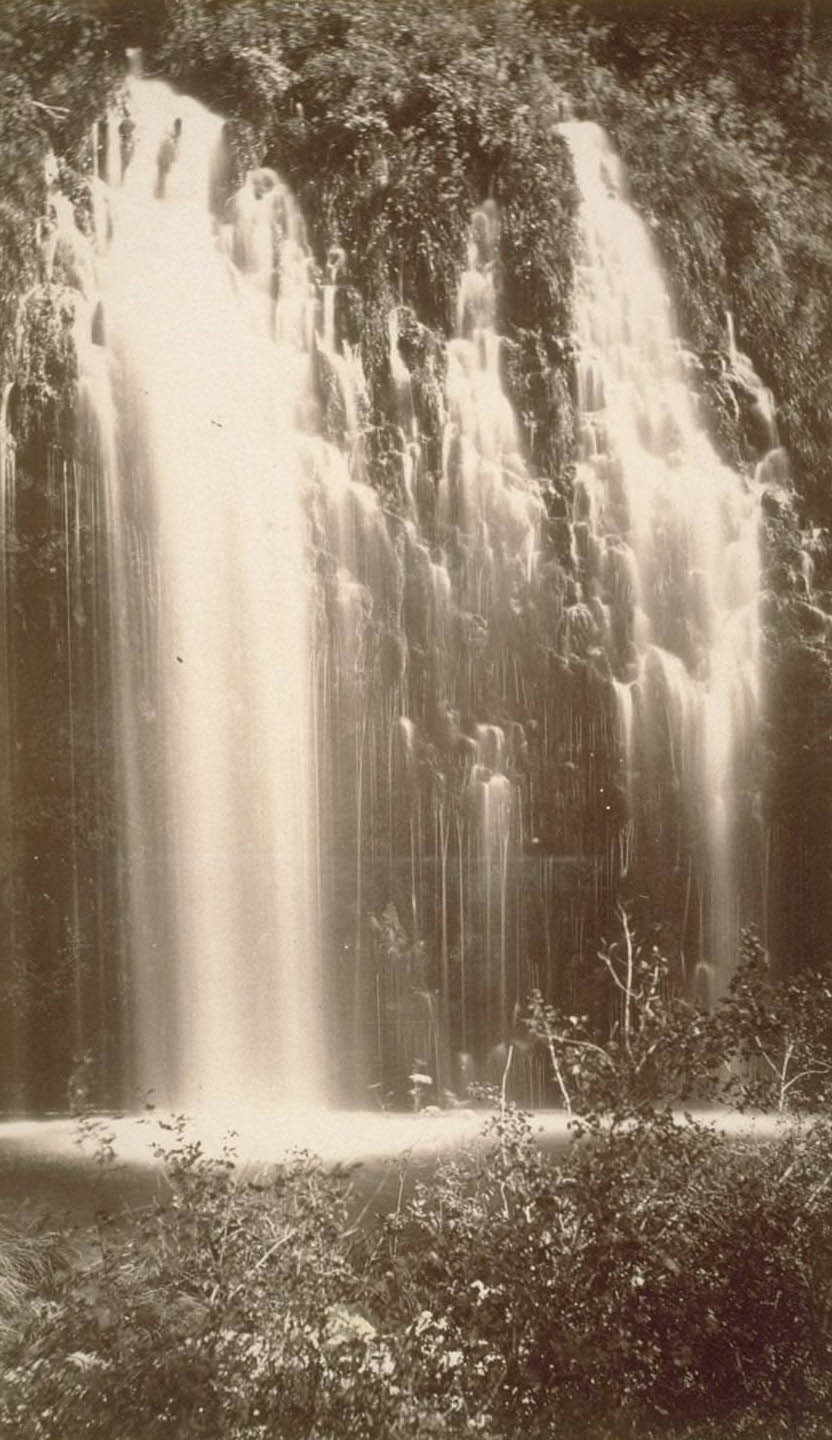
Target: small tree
<point x="658" y="1045"/>
<point x="779" y="1035"/>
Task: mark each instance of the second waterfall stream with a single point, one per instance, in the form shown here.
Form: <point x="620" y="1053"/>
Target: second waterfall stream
<point x="668" y="544"/>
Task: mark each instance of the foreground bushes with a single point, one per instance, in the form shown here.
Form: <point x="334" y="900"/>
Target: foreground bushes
<point x="657" y="1280"/>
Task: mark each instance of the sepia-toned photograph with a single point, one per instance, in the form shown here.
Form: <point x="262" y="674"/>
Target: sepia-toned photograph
<point x="415" y="719"/>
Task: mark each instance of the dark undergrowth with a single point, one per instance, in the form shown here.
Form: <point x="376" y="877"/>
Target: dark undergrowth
<point x="657" y="1281"/>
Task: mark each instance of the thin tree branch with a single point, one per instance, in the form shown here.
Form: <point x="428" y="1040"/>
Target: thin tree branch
<point x="56" y="112"/>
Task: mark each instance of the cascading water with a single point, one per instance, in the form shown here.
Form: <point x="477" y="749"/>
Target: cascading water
<point x="394" y="728"/>
<point x="667" y="541"/>
<point x="211" y="620"/>
<point x="422" y="606"/>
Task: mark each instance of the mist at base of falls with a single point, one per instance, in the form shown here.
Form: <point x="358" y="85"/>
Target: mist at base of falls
<point x="385" y="757"/>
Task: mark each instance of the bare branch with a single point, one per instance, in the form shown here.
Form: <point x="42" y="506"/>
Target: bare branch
<point x="817" y="1069"/>
<point x="585" y="1045"/>
<point x="504" y="1082"/>
<point x="615" y="976"/>
<point x="55" y="112"/>
<point x="558" y="1074"/>
<point x="628" y="993"/>
<point x="766" y="1057"/>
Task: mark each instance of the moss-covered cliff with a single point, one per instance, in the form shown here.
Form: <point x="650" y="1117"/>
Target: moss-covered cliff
<point x="57" y="826"/>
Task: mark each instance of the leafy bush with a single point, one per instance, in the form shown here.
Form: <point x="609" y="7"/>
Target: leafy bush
<point x="650" y="1041"/>
<point x="656" y="1273"/>
<point x="778" y="1035"/>
<point x="766" y="1045"/>
<point x="629" y="1277"/>
<point x="186" y="1313"/>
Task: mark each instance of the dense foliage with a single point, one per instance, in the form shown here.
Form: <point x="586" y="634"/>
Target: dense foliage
<point x="765" y="1045"/>
<point x="657" y="1280"/>
<point x="57" y="69"/>
<point x="392" y="119"/>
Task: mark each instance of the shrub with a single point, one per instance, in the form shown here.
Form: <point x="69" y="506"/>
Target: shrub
<point x="657" y="1273"/>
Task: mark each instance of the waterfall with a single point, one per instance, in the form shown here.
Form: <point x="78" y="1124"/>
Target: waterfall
<point x="211" y="622"/>
<point x="669" y="547"/>
<point x="396" y="722"/>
